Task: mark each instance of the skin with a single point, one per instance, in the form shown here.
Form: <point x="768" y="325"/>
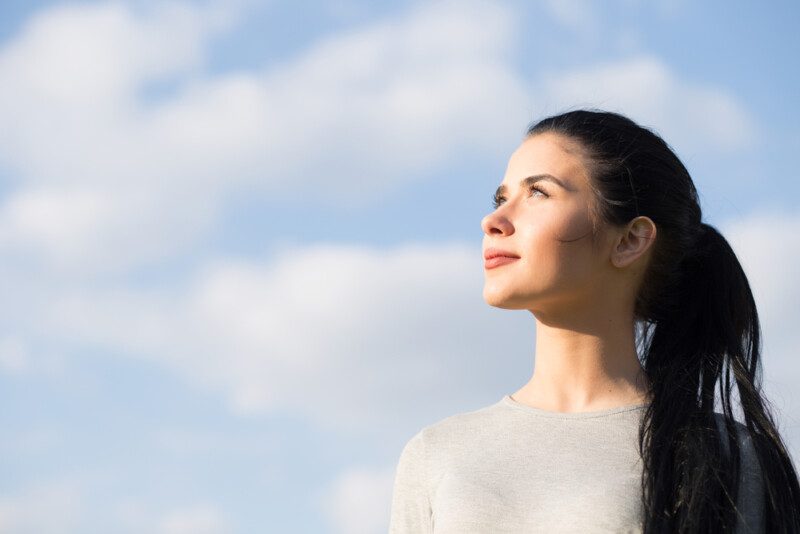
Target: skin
<point x="581" y="293"/>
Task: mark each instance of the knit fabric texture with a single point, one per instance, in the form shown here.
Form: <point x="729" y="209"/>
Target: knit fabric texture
<point x="513" y="468"/>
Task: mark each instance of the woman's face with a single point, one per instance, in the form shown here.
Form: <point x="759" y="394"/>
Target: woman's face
<point x="545" y="224"/>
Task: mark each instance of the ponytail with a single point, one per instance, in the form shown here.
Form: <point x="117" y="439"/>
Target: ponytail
<point x="709" y="332"/>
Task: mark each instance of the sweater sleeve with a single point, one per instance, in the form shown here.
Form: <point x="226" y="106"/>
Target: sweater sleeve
<point x="411" y="507"/>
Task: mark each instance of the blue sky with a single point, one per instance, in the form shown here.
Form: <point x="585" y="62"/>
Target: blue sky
<point x="240" y="241"/>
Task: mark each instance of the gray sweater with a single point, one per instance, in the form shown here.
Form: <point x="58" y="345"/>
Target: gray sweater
<point x="512" y="468"/>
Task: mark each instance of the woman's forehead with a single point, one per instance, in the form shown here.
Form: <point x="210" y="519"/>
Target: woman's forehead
<point x="547" y="154"/>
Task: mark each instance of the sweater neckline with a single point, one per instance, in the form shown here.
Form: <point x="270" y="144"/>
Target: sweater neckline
<point x="508" y="401"/>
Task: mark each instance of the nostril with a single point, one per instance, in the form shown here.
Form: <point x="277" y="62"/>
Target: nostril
<point x="492" y="224"/>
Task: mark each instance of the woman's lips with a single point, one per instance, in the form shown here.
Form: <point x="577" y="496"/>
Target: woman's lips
<point x="497" y="261"/>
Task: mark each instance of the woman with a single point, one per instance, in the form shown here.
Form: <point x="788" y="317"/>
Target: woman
<point x="641" y="309"/>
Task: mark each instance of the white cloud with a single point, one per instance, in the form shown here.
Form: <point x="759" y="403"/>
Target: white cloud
<point x="323" y="331"/>
<point x="358" y="501"/>
<point x="71" y="81"/>
<point x="70" y="87"/>
<point x="692" y="117"/>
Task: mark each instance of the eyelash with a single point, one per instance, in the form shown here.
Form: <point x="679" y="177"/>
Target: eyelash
<point x="498" y="200"/>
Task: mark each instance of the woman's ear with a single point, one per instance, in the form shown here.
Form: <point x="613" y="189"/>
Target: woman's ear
<point x="633" y="241"/>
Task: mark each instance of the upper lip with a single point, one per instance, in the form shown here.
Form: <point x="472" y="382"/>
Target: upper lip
<point x="492" y="252"/>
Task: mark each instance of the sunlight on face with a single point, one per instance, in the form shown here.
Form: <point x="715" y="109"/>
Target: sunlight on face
<point x="546" y="223"/>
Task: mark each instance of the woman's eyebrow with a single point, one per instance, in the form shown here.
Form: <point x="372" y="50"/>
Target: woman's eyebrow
<point x="530" y="180"/>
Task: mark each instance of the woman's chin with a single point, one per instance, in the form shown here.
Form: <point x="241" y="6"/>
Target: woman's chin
<point x="500" y="300"/>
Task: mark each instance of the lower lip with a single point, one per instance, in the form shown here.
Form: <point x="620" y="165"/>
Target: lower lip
<point x="497" y="261"/>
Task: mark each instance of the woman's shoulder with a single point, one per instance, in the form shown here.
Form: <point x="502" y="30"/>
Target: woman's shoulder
<point x="743" y="436"/>
<point x="455" y="428"/>
<point x="747" y="450"/>
<point x="751" y="492"/>
<point x="462" y="422"/>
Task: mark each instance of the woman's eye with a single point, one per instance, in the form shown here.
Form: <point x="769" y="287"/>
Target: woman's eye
<point x="534" y="188"/>
<point x="497" y="201"/>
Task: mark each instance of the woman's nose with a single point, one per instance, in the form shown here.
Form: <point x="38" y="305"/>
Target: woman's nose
<point x="496" y="223"/>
